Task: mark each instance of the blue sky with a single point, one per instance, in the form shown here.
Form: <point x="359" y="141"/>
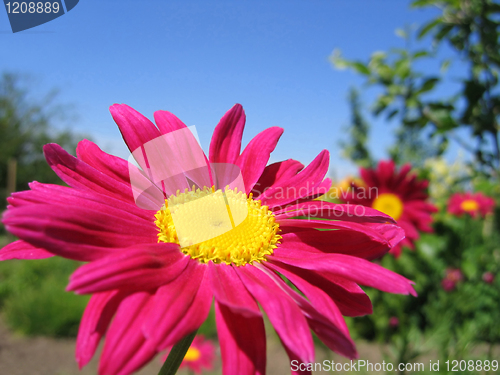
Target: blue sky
<point x="197" y="58"/>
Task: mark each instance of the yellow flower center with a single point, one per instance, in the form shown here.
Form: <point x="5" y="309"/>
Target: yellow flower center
<point x="389" y="204"/>
<point x="193" y="354"/>
<point x="222" y="227"/>
<point x="469" y="205"/>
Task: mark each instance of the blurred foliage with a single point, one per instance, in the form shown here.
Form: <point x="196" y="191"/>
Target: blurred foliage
<point x="443" y="320"/>
<point x="451" y="323"/>
<point x="427" y="122"/>
<point x="356" y="148"/>
<point x="33" y="300"/>
<point x="26" y="124"/>
<point x="208" y="328"/>
<point x="447" y="179"/>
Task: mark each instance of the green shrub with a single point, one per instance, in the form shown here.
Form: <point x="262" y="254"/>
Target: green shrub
<point x="33" y="300"/>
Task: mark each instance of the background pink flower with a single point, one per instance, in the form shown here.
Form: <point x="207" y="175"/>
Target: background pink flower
<point x="473" y="204"/>
<point x="452" y="277"/>
<point x="200" y="355"/>
<point x="488" y="277"/>
<point x="398" y="194"/>
<point x="393" y="322"/>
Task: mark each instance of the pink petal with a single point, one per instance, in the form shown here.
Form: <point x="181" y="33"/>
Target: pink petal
<point x="347" y="295"/>
<point x="330" y="334"/>
<point x="333" y="211"/>
<point x="284" y="314"/>
<point x="318" y="297"/>
<point x="298" y="186"/>
<point x="242" y="342"/>
<point x="69" y="197"/>
<point x="139" y="358"/>
<point x="226" y="141"/>
<point x="340" y="241"/>
<point x="385" y="171"/>
<point x="82" y="176"/>
<point x="175" y="156"/>
<point x="410" y="230"/>
<point x="143" y="267"/>
<point x="196" y="314"/>
<point x="369" y="176"/>
<point x="124" y="339"/>
<point x="255" y="156"/>
<point x="110" y="165"/>
<point x="275" y="173"/>
<point x="318" y="190"/>
<point x="95" y="322"/>
<point x="296" y="363"/>
<point x="401" y="175"/>
<point x="147" y="195"/>
<point x="78" y="233"/>
<point x="80" y="252"/>
<point x="168" y="122"/>
<point x="384" y="233"/>
<point x="350" y="298"/>
<point x="172" y="301"/>
<point x="23" y="250"/>
<point x="135" y="128"/>
<point x="315" y="192"/>
<point x="352" y="268"/>
<point x="230" y="291"/>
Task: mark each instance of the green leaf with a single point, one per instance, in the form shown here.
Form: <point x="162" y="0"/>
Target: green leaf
<point x="421" y="3"/>
<point x="441" y="105"/>
<point x="337" y="60"/>
<point x="428" y="27"/>
<point x="428" y="84"/>
<point x="382" y="102"/>
<point x="473" y="91"/>
<point x="419" y="54"/>
<point x="393" y="113"/>
<point x="444" y="65"/>
<point x="442" y="119"/>
<point x="443" y="31"/>
<point x="401" y="33"/>
<point x="402" y="67"/>
<point x="360" y="68"/>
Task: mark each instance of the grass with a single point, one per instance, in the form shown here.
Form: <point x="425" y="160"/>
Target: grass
<point x="33" y="300"/>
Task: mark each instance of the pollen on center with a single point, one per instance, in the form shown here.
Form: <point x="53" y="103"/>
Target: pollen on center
<point x="469" y="205"/>
<point x="219" y="226"/>
<point x="389" y="204"/>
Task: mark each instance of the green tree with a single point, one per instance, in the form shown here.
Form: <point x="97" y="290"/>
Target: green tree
<point x="355" y="148"/>
<point x="25" y="126"/>
<point x="427" y="123"/>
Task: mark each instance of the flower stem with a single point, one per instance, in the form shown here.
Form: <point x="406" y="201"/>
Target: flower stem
<point x="176" y="355"/>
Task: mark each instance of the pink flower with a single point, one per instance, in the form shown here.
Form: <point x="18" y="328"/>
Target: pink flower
<point x="452" y="278"/>
<point x="398" y="194"/>
<point x="468" y="203"/>
<point x="149" y="291"/>
<point x="200" y="355"/>
<point x="488" y="277"/>
<point x="393" y="322"/>
<point x="454" y="274"/>
<point x="448" y="285"/>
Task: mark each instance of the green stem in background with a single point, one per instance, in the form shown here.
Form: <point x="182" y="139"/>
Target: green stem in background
<point x="176" y="355"/>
